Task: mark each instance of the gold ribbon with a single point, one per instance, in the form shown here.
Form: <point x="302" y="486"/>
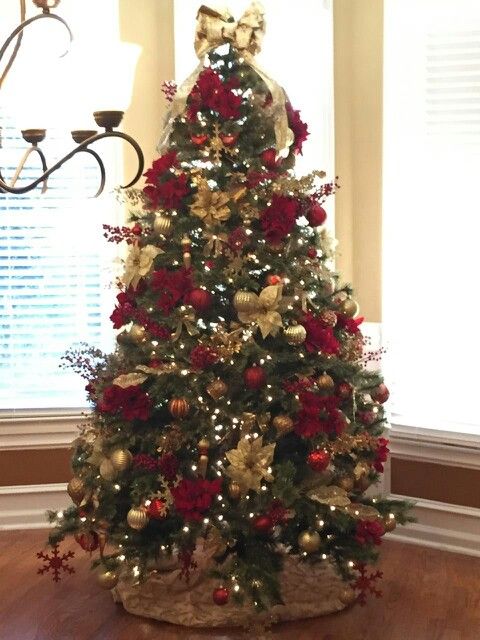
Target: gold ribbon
<point x="214" y="245"/>
<point x="186" y="318"/>
<point x="215" y="28"/>
<point x="211" y="206"/>
<point x="266" y="313"/>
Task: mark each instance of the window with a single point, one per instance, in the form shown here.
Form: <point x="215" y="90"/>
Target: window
<point x="53" y="257"/>
<point x="430" y="250"/>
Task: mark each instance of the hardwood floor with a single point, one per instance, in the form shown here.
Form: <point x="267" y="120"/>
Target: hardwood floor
<point x="428" y="595"/>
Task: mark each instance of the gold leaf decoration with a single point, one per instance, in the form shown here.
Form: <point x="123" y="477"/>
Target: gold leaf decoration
<point x="332" y="495"/>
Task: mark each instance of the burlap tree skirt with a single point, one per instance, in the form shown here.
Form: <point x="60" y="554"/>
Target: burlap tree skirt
<point x="308" y="591"/>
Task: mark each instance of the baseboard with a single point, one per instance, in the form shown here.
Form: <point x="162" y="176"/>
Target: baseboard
<point x="23" y="507"/>
<point x="442" y="526"/>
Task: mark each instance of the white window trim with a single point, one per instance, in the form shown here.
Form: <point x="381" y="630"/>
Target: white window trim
<point x="40" y="430"/>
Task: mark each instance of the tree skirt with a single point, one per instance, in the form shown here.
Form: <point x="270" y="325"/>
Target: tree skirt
<point x="308" y="590"/>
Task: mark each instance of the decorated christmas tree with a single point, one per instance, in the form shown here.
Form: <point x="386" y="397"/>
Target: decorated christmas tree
<point x="236" y="427"/>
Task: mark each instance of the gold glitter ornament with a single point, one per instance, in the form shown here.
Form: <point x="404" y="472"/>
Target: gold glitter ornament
<point x="295" y="334"/>
<point x="137" y="518"/>
<point x="389" y="522"/>
<point x="76" y="490"/>
<point x="283" y="424"/>
<point x="121" y="459"/>
<point x="137" y="334"/>
<point x="217" y="389"/>
<point x="325" y="383"/>
<point x="107" y="579"/>
<point x="328" y="318"/>
<point x="309" y="541"/>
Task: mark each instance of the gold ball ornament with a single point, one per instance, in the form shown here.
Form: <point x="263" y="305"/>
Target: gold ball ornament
<point x="217" y="389"/>
<point x="346" y="483"/>
<point x="178" y="407"/>
<point x="107" y="579"/>
<point x="325" y="383"/>
<point x="347" y="596"/>
<point x="121" y="459"/>
<point x="390" y="522"/>
<point x="162" y="224"/>
<point x="309" y="541"/>
<point x="234" y="490"/>
<point x="283" y="424"/>
<point x="137" y="518"/>
<point x="137" y="334"/>
<point x="245" y="301"/>
<point x="295" y="334"/>
<point x="76" y="490"/>
<point x="107" y="470"/>
<point x="350" y="307"/>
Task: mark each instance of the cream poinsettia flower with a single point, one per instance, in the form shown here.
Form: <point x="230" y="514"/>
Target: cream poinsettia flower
<point x="250" y="462"/>
<point x="138" y="263"/>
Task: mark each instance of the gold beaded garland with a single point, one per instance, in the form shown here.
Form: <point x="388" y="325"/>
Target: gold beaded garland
<point x="76" y="490"/>
<point x="107" y="579"/>
<point x="309" y="541"/>
<point x="121" y="459"/>
<point x="295" y="334"/>
<point x="137" y="518"/>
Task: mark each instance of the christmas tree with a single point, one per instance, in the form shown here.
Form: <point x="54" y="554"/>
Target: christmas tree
<point x="237" y="419"/>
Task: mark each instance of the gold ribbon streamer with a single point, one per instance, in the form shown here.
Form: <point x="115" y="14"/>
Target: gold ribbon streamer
<point x="213" y="29"/>
<point x="186" y="319"/>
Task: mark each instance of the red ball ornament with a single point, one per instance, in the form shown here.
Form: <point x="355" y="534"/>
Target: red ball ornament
<point x="88" y="541"/>
<point x="254" y="377"/>
<point x="344" y="390"/>
<point x="272" y="279"/>
<point x="221" y="595"/>
<point x="269" y="159"/>
<point x="200" y="299"/>
<point x="228" y="138"/>
<point x="366" y="417"/>
<point x="157" y="509"/>
<point x="318" y="460"/>
<point x="199" y="139"/>
<point x="380" y="394"/>
<point x="263" y="525"/>
<point x="316" y="215"/>
<point x="312" y="253"/>
<point x="137" y="229"/>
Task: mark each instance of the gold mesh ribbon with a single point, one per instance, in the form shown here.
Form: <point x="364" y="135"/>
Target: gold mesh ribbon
<point x="213" y="29"/>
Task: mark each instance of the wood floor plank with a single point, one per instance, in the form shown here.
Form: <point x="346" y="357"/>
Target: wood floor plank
<point x="428" y="595"/>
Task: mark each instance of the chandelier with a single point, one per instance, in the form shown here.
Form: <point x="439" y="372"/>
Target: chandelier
<point x="84" y="138"/>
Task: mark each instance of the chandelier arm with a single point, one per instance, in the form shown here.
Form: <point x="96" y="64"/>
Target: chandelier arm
<point x="81" y="147"/>
<point x="19" y="30"/>
<point x="17" y="46"/>
<point x="101" y="166"/>
<point x="23" y="161"/>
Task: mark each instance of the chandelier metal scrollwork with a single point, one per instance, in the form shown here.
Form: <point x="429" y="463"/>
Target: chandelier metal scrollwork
<point x="107" y="120"/>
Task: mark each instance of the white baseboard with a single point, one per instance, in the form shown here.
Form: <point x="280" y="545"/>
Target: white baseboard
<point x="442" y="526"/>
<point x="23" y="507"/>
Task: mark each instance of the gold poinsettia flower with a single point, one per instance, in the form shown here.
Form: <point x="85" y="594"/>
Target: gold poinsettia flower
<point x="210" y="206"/>
<point x="265" y="313"/>
<point x="138" y="263"/>
<point x="250" y="463"/>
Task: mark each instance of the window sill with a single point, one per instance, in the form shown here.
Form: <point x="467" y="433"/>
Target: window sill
<point x="40" y="430"/>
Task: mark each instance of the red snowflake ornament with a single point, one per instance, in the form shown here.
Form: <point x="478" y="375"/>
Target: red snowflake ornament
<point x="365" y="583"/>
<point x="55" y="563"/>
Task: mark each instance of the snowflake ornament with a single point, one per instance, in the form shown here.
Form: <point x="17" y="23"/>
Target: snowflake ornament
<point x="55" y="563"/>
<point x="365" y="583"/>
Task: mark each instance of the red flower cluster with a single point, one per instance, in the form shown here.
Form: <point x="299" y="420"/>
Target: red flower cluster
<point x="158" y="331"/>
<point x="369" y="532"/>
<point x="168" y="466"/>
<point x="210" y="92"/>
<point x="145" y="462"/>
<point x="319" y="414"/>
<point x="132" y="402"/>
<point x="294" y="386"/>
<point x="163" y="188"/>
<point x="381" y="454"/>
<point x="299" y="128"/>
<point x="203" y="357"/>
<point x="349" y="324"/>
<point x="125" y="309"/>
<point x="319" y="338"/>
<point x="237" y="239"/>
<point x="254" y="178"/>
<point x="192" y="498"/>
<point x="315" y="214"/>
<point x="173" y="286"/>
<point x="278" y="219"/>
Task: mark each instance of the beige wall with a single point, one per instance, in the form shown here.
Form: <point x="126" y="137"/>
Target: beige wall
<point x="358" y="42"/>
<point x="148" y="23"/>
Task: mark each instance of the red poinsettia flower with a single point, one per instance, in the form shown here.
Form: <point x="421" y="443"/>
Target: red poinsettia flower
<point x="132" y="403"/>
<point x="160" y="166"/>
<point x="299" y="128"/>
<point x="203" y="357"/>
<point x="168" y="194"/>
<point x="318" y="414"/>
<point x="168" y="465"/>
<point x="319" y="338"/>
<point x="210" y="92"/>
<point x="278" y="219"/>
<point x="349" y="324"/>
<point x="173" y="286"/>
<point x="192" y="498"/>
<point x="381" y="454"/>
<point x="369" y="532"/>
